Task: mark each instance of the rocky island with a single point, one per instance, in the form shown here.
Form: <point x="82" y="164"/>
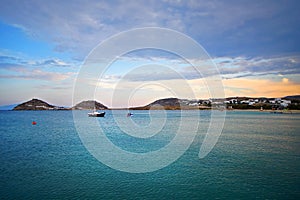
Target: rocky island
<point x="36" y="104"/>
<point x="172" y="104"/>
<point x="89" y="105"/>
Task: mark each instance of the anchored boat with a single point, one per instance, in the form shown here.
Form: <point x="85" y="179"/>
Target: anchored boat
<point x="96" y="114"/>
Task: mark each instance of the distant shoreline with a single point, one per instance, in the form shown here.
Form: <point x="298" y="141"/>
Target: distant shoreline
<point x="286" y="104"/>
<point x="227" y="110"/>
<point x="257" y="110"/>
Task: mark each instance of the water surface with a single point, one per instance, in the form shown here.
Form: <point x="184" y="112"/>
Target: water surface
<point x="257" y="157"/>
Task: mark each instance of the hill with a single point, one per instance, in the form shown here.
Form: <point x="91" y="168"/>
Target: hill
<point x="89" y="105"/>
<point x="36" y="104"/>
<point x="294" y="97"/>
<point x="171" y="104"/>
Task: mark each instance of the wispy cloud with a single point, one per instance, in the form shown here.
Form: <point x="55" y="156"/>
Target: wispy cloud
<point x="87" y="24"/>
<point x="35" y="74"/>
<point x="245" y="67"/>
<point x="163" y="68"/>
<point x="17" y="68"/>
<point x="52" y="62"/>
<point x="7" y="60"/>
<point x="4" y="58"/>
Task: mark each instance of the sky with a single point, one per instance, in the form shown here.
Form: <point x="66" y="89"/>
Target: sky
<point x="44" y="44"/>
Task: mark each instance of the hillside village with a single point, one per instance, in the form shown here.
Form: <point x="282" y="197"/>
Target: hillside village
<point x="292" y="102"/>
<point x="274" y="103"/>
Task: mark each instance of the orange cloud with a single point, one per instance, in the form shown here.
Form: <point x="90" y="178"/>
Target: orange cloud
<point x="285" y="80"/>
<point x="260" y="88"/>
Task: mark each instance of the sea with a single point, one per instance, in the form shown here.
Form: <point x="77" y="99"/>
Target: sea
<point x="257" y="156"/>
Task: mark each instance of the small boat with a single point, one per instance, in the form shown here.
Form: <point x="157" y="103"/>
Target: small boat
<point x="96" y="114"/>
<point x="129" y="114"/>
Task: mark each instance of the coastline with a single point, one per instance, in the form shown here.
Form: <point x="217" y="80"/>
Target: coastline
<point x="227" y="110"/>
<point x="269" y="111"/>
<point x="237" y="103"/>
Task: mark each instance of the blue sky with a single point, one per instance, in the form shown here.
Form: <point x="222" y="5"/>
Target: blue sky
<point x="255" y="45"/>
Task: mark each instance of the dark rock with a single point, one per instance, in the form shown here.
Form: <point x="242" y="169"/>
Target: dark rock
<point x="165" y="104"/>
<point x="89" y="105"/>
<point x="35" y="104"/>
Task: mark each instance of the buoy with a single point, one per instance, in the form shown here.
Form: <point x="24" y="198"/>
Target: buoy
<point x="33" y="122"/>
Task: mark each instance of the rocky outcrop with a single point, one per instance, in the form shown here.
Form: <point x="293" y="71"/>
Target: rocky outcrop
<point x="164" y="104"/>
<point x="36" y="104"/>
<point x="89" y="105"/>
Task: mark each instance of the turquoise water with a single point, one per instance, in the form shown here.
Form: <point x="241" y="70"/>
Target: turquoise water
<point x="257" y="157"/>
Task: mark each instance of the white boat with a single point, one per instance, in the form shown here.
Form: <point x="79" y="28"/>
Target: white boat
<point x="96" y="114"/>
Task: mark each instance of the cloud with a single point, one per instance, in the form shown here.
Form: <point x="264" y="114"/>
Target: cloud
<point x="4" y="58"/>
<point x="84" y="25"/>
<point x="285" y="80"/>
<point x="67" y="87"/>
<point x="242" y="38"/>
<point x="219" y="24"/>
<point x="258" y="66"/>
<point x="153" y="68"/>
<point x="37" y="75"/>
<point x="260" y="88"/>
<point x="52" y="62"/>
<point x="17" y="71"/>
<point x="9" y="66"/>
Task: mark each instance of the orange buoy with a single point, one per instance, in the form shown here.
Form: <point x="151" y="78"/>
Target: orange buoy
<point x="33" y="122"/>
